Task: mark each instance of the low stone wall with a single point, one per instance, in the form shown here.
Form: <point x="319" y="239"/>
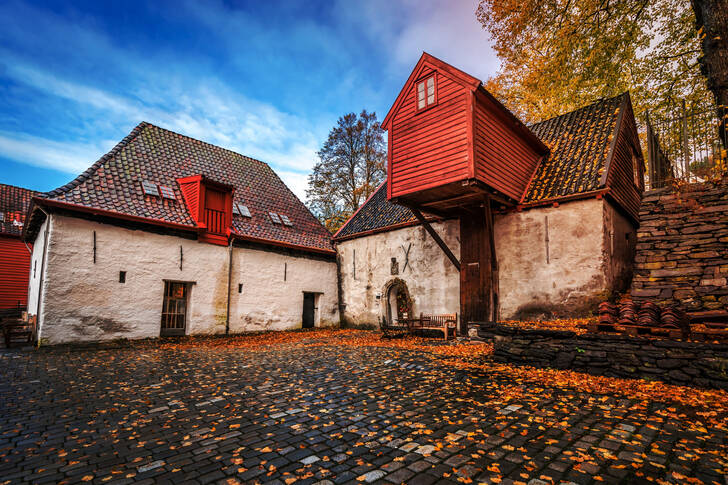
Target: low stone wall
<point x="682" y="247"/>
<point x="685" y="363"/>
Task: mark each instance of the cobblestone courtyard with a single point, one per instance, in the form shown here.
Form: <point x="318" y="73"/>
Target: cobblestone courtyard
<point x="315" y="410"/>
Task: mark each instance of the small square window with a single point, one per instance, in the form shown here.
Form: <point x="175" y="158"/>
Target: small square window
<point x="150" y="188"/>
<point x="122" y="276"/>
<point x="274" y="217"/>
<point x="286" y="220"/>
<point x="244" y="211"/>
<point x="426" y="95"/>
<point x="167" y="192"/>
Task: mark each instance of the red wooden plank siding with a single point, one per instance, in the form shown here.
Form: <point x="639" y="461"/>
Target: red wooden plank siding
<point x="620" y="179"/>
<point x="430" y="147"/>
<point x="503" y="159"/>
<point x="14" y="271"/>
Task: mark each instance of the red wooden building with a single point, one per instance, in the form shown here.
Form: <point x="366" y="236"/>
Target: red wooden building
<point x="455" y="152"/>
<point x="14" y="254"/>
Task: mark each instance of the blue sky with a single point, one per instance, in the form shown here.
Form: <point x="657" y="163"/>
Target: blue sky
<point x="266" y="79"/>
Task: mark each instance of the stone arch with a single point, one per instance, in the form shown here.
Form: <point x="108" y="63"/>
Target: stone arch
<point x="396" y="301"/>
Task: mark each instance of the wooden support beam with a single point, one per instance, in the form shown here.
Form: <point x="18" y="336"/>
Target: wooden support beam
<point x="437" y="238"/>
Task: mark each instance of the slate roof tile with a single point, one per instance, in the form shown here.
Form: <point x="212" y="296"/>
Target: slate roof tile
<point x="161" y="156"/>
<point x="14" y="202"/>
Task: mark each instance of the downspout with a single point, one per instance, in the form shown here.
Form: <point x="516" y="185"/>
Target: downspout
<point x="42" y="274"/>
<point x="230" y="277"/>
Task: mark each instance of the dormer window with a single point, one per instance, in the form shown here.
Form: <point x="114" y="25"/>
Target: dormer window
<point x="426" y="93"/>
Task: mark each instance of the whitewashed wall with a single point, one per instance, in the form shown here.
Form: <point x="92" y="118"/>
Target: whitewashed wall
<point x="432" y="280"/>
<point x="573" y="279"/>
<point x="36" y="261"/>
<point x="85" y="301"/>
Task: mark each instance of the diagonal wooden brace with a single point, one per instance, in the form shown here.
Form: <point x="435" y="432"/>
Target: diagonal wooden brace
<point x="437" y="238"/>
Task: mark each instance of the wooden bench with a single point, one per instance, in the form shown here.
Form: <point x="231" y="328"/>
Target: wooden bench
<point x="19" y="330"/>
<point x="446" y="323"/>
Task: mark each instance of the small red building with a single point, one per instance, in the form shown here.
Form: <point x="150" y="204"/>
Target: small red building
<point x="14" y="254"/>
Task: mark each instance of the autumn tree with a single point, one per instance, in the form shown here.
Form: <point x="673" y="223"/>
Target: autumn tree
<point x="711" y="17"/>
<point x="351" y="165"/>
<point x="558" y="55"/>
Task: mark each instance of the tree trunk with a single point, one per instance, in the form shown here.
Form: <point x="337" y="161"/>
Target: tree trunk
<point x="712" y="17"/>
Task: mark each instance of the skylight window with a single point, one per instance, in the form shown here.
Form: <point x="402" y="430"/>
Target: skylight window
<point x="286" y="220"/>
<point x="150" y="188"/>
<point x="426" y="93"/>
<point x="274" y="217"/>
<point x="240" y="209"/>
<point x="167" y="192"/>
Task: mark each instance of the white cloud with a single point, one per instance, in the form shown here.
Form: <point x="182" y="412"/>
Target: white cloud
<point x="68" y="157"/>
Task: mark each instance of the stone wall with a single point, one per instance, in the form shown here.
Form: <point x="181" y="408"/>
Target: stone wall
<point x="685" y="363"/>
<point x="368" y="264"/>
<point x="682" y="247"/>
<point x="587" y="256"/>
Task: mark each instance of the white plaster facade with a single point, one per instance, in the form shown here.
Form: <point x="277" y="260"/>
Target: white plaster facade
<point x="571" y="272"/>
<point x="366" y="269"/>
<point x="590" y="246"/>
<point x="84" y="300"/>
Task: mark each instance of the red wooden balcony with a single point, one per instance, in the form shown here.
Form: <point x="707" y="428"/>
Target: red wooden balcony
<point x="216" y="221"/>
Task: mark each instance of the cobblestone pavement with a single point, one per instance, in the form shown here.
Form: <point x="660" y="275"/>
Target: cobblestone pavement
<point x="326" y="414"/>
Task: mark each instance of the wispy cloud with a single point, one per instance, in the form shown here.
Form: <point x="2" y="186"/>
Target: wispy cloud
<point x="68" y="157"/>
<point x="260" y="80"/>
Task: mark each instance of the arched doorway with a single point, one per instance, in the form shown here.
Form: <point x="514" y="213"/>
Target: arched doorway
<point x="396" y="303"/>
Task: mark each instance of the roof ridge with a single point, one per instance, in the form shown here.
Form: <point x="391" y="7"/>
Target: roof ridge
<point x="218" y="147"/>
<point x="108" y="155"/>
<point x="588" y="106"/>
<point x="21" y="188"/>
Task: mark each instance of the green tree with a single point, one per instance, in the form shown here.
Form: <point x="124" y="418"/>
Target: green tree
<point x="558" y="55"/>
<point x="351" y="165"/>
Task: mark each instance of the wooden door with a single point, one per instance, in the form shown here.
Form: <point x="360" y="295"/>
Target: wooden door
<point x="478" y="291"/>
<point x="308" y="310"/>
<point x="174" y="309"/>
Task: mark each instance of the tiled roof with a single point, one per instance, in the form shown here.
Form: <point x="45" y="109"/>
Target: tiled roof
<point x="376" y="213"/>
<point x="14" y="203"/>
<point x="579" y="143"/>
<point x="161" y="156"/>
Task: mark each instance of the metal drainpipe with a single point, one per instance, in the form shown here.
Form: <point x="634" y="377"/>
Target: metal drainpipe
<point x="42" y="274"/>
<point x="230" y="276"/>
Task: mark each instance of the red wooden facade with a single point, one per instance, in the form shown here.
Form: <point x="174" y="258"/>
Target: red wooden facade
<point x="214" y="216"/>
<point x="464" y="145"/>
<point x="14" y="267"/>
<point x="625" y="173"/>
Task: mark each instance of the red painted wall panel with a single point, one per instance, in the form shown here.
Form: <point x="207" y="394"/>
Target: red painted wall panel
<point x="430" y="147"/>
<point x="14" y="272"/>
<point x="503" y="159"/>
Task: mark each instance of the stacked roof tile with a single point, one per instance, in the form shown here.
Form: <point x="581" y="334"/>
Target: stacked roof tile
<point x="579" y="142"/>
<point x="114" y="184"/>
<point x="14" y="202"/>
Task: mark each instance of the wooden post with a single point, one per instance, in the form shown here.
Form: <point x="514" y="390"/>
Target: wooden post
<point x="494" y="285"/>
<point x="437" y="238"/>
<point x="686" y="153"/>
<point x="650" y="152"/>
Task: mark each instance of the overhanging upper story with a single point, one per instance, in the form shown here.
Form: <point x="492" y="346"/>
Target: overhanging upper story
<point x="451" y="142"/>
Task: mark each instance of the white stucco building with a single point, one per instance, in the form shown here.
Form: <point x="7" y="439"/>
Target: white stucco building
<point x="488" y="218"/>
<point x="167" y="235"/>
